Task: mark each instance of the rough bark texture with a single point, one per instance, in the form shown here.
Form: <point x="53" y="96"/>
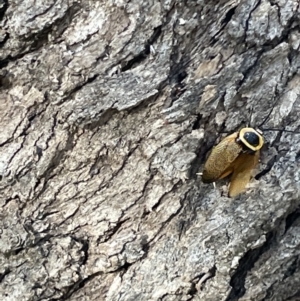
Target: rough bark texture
<point x="108" y="110"/>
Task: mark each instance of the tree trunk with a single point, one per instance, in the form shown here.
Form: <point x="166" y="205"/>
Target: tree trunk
<point x="108" y="109"/>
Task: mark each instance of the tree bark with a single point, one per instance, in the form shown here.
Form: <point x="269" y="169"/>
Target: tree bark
<point x="108" y="109"/>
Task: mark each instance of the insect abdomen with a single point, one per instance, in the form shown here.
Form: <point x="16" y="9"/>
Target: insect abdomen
<point x="219" y="162"/>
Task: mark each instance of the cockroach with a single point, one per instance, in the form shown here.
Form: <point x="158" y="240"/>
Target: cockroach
<point x="236" y="156"/>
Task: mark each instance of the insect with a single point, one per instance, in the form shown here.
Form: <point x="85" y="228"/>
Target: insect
<point x="236" y="155"/>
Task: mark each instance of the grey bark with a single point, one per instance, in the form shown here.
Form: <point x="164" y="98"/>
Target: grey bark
<point x="108" y="110"/>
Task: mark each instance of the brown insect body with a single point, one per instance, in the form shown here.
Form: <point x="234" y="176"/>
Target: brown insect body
<point x="235" y="155"/>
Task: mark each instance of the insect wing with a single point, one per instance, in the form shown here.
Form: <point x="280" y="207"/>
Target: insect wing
<point x="220" y="162"/>
<point x="241" y="176"/>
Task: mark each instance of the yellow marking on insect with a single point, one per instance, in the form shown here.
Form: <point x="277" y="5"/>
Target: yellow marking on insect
<point x="236" y="155"/>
